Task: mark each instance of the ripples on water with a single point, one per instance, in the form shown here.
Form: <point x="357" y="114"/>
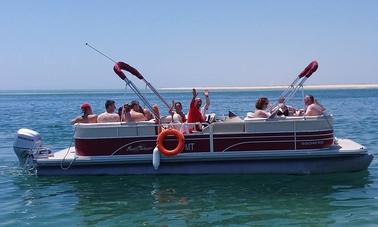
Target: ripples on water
<point x="349" y="198"/>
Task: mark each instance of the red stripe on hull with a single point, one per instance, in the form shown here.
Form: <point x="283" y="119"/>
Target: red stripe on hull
<point x="201" y="143"/>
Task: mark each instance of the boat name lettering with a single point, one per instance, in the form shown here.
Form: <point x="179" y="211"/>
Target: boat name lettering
<point x="139" y="148"/>
<point x="312" y="142"/>
<point x="189" y="146"/>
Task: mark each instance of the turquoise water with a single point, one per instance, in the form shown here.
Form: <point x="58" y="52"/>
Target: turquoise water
<point x="237" y="200"/>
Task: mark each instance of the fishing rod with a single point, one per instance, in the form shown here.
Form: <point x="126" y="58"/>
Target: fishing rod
<point x="134" y="72"/>
<point x="90" y="46"/>
<point x="128" y="83"/>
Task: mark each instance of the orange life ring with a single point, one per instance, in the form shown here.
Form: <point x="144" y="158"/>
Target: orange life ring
<point x="161" y="138"/>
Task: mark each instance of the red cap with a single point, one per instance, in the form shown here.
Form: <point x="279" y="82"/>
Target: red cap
<point x="85" y="106"/>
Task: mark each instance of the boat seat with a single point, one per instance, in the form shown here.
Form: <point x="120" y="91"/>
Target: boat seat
<point x="255" y="118"/>
<point x="115" y="129"/>
<point x="250" y="115"/>
<point x="226" y="127"/>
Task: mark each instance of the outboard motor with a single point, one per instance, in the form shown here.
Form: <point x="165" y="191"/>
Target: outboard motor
<point x="27" y="142"/>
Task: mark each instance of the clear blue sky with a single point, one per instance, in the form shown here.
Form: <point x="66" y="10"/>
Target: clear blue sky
<point x="185" y="44"/>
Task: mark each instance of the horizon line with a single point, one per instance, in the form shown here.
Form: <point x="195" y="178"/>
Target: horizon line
<point x="262" y="87"/>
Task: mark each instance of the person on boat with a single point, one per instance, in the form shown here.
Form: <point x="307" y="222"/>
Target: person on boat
<point x="282" y="109"/>
<point x="109" y="115"/>
<point x="196" y="113"/>
<point x="120" y="112"/>
<point x="87" y="117"/>
<point x="177" y="116"/>
<point x="261" y="108"/>
<point x="134" y="113"/>
<point x="312" y="107"/>
<point x="125" y="113"/>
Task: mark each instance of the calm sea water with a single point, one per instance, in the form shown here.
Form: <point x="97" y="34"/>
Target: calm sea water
<point x="237" y="200"/>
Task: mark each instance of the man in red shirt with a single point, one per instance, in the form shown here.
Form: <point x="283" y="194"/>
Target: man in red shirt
<point x="196" y="114"/>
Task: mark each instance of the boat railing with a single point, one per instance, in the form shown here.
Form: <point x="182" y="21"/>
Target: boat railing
<point x="138" y="124"/>
<point x="293" y="125"/>
<point x="246" y="119"/>
<point x="132" y="129"/>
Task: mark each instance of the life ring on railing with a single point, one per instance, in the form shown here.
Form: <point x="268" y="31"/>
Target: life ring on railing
<point x="170" y="132"/>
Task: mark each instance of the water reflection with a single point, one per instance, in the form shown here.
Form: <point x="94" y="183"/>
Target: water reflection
<point x="183" y="200"/>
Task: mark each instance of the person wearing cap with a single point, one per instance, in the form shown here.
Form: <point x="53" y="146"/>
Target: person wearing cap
<point x="87" y="117"/>
<point x="109" y="115"/>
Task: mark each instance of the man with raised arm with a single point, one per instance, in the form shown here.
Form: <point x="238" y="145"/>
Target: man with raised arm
<point x="196" y="114"/>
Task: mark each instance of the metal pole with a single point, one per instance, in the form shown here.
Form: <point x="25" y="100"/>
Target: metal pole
<point x="292" y="93"/>
<point x="286" y="91"/>
<point x="157" y="93"/>
<point x="138" y="93"/>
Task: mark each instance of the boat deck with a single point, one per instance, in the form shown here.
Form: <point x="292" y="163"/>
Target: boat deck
<point x="343" y="147"/>
<point x="346" y="156"/>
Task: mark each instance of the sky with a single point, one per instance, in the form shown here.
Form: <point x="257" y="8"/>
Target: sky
<point x="186" y="43"/>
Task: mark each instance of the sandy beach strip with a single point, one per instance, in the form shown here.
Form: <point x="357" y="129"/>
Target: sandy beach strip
<point x="280" y="87"/>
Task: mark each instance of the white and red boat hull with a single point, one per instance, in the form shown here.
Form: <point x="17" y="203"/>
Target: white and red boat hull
<point x="280" y="146"/>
